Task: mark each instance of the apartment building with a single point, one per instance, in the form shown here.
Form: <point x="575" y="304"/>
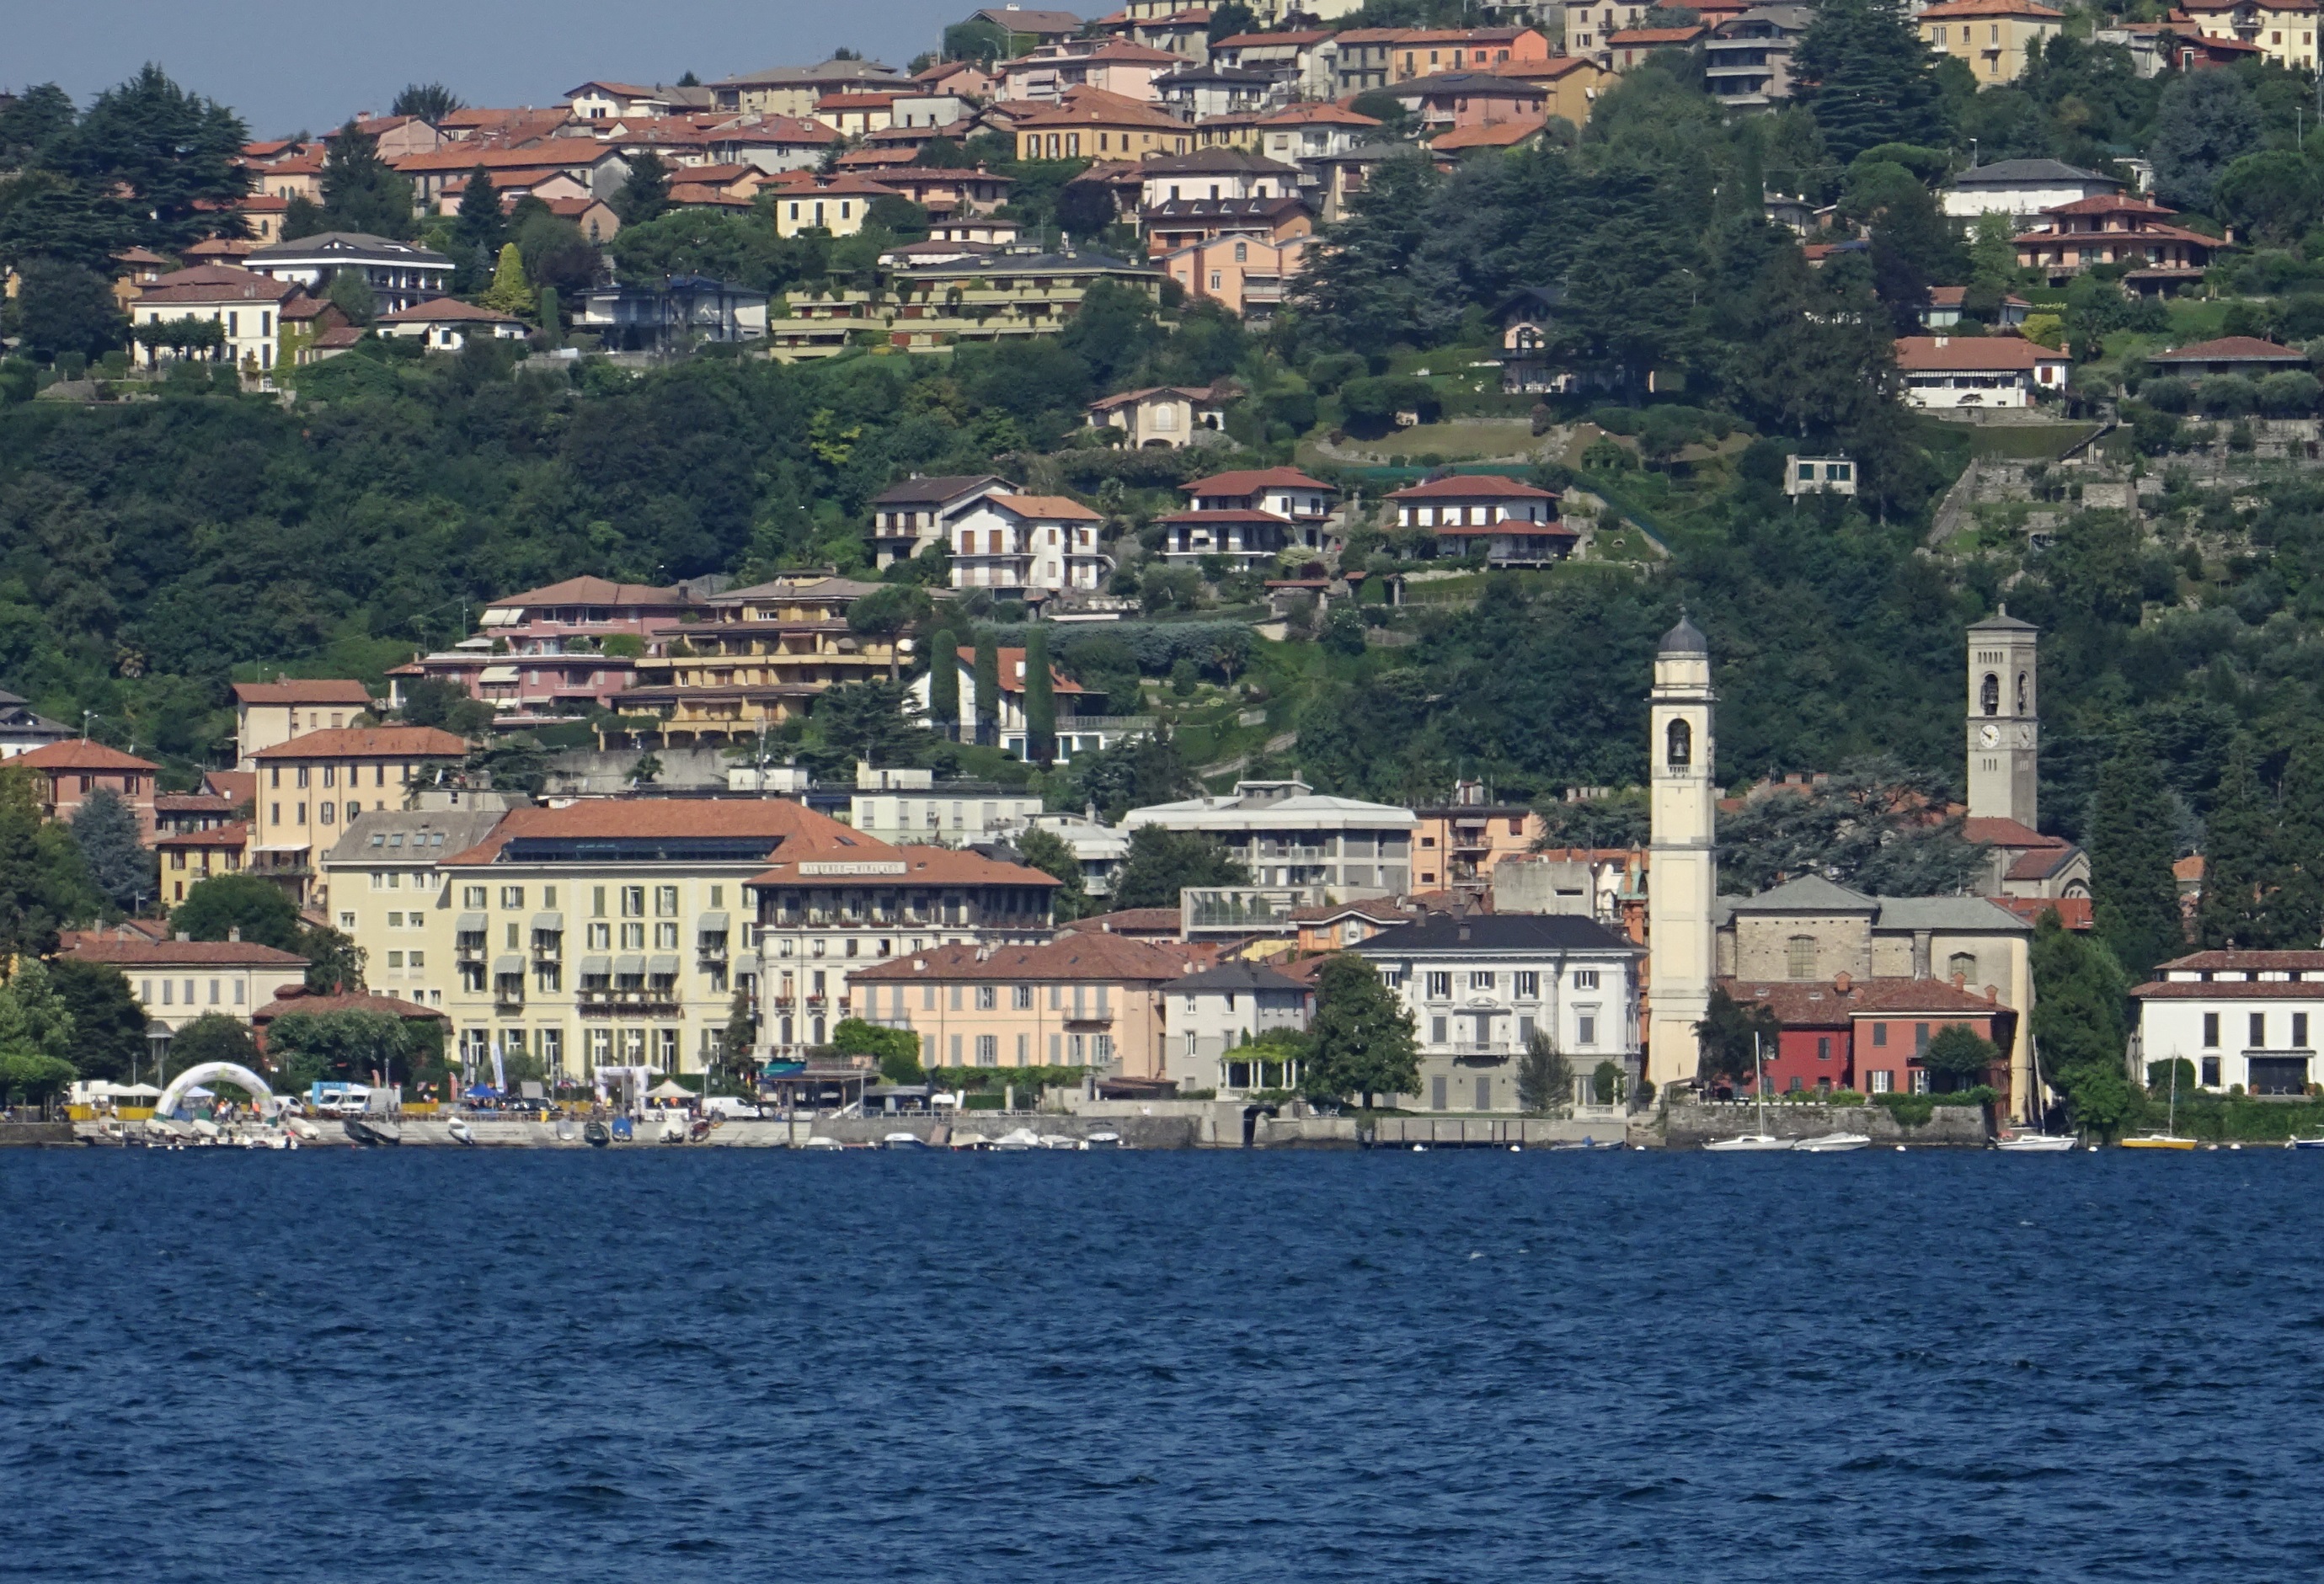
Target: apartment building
<point x="1998" y="38"/>
<point x="70" y="772"/>
<point x="2284" y="30"/>
<point x="268" y="713"/>
<point x="911" y="805"/>
<point x="400" y="274"/>
<point x="311" y="788"/>
<point x="1340" y="849"/>
<point x="177" y="980"/>
<point x="1479" y="987"/>
<point x="832" y="898"/>
<point x="758" y="657"/>
<point x="959" y="295"/>
<point x="1457" y="844"/>
<point x="188" y="857"/>
<point x="553" y="653"/>
<point x="1083" y="1001"/>
<point x="384" y="879"/>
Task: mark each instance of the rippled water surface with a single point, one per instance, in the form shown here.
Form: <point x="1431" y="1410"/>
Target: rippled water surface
<point x="678" y="1364"/>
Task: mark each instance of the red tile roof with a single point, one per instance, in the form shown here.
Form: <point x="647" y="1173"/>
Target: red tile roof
<point x="2232" y="349"/>
<point x="2026" y="8"/>
<point x="1253" y="481"/>
<point x="2233" y="962"/>
<point x="369" y="743"/>
<point x="448" y="310"/>
<point x="1501" y="134"/>
<point x="174" y="953"/>
<point x="302" y="691"/>
<point x="1473" y="486"/>
<point x="228" y="836"/>
<point x="1925" y="353"/>
<point x="81" y="754"/>
<point x="2073" y="912"/>
<point x="343" y="1001"/>
<point x="593" y="591"/>
<point x="782" y="824"/>
<point x="1674" y="35"/>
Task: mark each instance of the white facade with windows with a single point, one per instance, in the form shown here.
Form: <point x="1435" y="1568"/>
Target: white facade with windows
<point x="2244" y="1020"/>
<point x="1480" y="987"/>
<point x="1214" y="1015"/>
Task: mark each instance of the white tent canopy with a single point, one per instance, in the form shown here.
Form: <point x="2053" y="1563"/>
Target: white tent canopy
<point x="666" y="1089"/>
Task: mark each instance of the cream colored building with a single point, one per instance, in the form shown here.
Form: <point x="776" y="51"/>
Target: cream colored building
<point x="384" y="881"/>
<point x="311" y="788"/>
<point x="179" y="980"/>
<point x="1995" y="37"/>
<point x="268" y="713"/>
<point x="2283" y="30"/>
<point x="1684" y="855"/>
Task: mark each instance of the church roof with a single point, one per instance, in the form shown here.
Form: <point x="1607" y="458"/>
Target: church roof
<point x="2001" y="620"/>
<point x="1809" y="894"/>
<point x="1685" y="639"/>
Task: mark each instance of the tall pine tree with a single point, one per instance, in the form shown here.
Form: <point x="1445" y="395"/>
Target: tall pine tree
<point x="1868" y="79"/>
<point x="2137" y="895"/>
<point x="362" y="192"/>
<point x="2238" y="843"/>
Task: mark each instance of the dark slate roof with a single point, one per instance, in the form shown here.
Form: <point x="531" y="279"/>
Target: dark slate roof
<point x="1494" y="932"/>
<point x="1685" y="639"/>
<point x="2015" y="172"/>
<point x="914" y="492"/>
<point x="2001" y="620"/>
<point x="1809" y="894"/>
<point x="1207" y="161"/>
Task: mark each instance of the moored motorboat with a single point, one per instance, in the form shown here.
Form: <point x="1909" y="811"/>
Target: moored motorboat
<point x="2303" y="1144"/>
<point x="460" y="1131"/>
<point x="1832" y="1142"/>
<point x="902" y="1141"/>
<point x="597" y="1134"/>
<point x="2036" y="1144"/>
<point x="372" y="1130"/>
<point x="2158" y="1141"/>
<point x="1104" y="1140"/>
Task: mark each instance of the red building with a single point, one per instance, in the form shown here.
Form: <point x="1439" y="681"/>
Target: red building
<point x="71" y="771"/>
<point x="1868" y="1035"/>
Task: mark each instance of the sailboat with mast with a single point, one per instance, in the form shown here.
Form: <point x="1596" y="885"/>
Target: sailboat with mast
<point x="2169" y="1138"/>
<point x="1762" y="1141"/>
<point x="2041" y="1141"/>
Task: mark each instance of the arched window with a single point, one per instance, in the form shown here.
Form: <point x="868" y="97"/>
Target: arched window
<point x="1962" y="965"/>
<point x="1990" y="696"/>
<point x="1800" y="957"/>
<point x="1680" y="745"/>
<point x="2023" y="685"/>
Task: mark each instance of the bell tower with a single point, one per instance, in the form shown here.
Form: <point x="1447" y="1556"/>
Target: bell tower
<point x="1684" y="874"/>
<point x="2003" y="720"/>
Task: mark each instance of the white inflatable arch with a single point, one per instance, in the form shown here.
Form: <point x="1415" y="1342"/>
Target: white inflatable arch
<point x="241" y="1077"/>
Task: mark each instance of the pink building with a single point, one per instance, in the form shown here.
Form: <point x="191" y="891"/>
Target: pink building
<point x="552" y="653"/>
<point x="72" y="770"/>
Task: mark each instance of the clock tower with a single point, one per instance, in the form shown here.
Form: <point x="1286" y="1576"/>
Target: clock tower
<point x="2003" y="720"/>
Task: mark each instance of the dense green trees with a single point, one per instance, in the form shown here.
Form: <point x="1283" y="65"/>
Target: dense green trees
<point x="109" y="1024"/>
<point x="238" y="905"/>
<point x="361" y="191"/>
<point x="36" y="1034"/>
<point x="212" y="1036"/>
<point x="1868" y="77"/>
<point x="2130" y="840"/>
<point x="1360" y="1041"/>
<point x="1734" y="1037"/>
<point x="1046" y="852"/>
<point x="2205" y="119"/>
<point x="112" y="848"/>
<point x="429" y="101"/>
<point x="1162" y="862"/>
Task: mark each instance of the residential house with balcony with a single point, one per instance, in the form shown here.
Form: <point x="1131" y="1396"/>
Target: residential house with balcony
<point x="1997" y="39"/>
<point x="384" y="877"/>
<point x="1517" y="525"/>
<point x="1249" y="517"/>
<point x="1591" y="23"/>
<point x="1017" y="544"/>
<point x="1631" y="48"/>
<point x="793" y="91"/>
<point x="1077" y="732"/>
<point x="673" y="314"/>
<point x="2282" y="31"/>
<point x="947" y="194"/>
<point x="839" y="205"/>
<point x="1746" y="60"/>
<point x="188" y="857"/>
<point x="1183" y="29"/>
<point x="1201" y="92"/>
<point x="758" y="657"/>
<point x="72" y="771"/>
<point x="832" y="903"/>
<point x="1286" y="835"/>
<point x="2239" y="1019"/>
<point x="177" y="980"/>
<point x="1247" y="275"/>
<point x="1164" y="417"/>
<point x="1421" y="52"/>
<point x="1300" y="132"/>
<point x="1481" y="986"/>
<point x="900" y="805"/>
<point x="555" y="653"/>
<point x="1087" y="1000"/>
<point x="1363" y="59"/>
<point x="908" y="516"/>
<point x="1457" y="844"/>
<point x="311" y="788"/>
<point x="1462" y="99"/>
<point x="981" y="296"/>
<point x="400" y="274"/>
<point x="2117" y="230"/>
<point x="1215" y="1016"/>
<point x="447" y="325"/>
<point x="1299" y="59"/>
<point x="1213" y="174"/>
<point x="2251" y="356"/>
<point x="268" y="713"/>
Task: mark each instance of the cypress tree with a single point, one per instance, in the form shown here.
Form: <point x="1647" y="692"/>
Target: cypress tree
<point x="943" y="682"/>
<point x="552" y="319"/>
<point x="1040" y="700"/>
<point x="2237" y="840"/>
<point x="2137" y="895"/>
<point x="2295" y="915"/>
<point x="510" y="292"/>
<point x="988" y="688"/>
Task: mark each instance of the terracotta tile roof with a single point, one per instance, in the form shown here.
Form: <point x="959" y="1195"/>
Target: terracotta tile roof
<point x="1501" y="134"/>
<point x="2259" y="989"/>
<point x="1473" y="486"/>
<point x="192" y="803"/>
<point x="235" y="836"/>
<point x="2026" y="8"/>
<point x="2231" y="962"/>
<point x="1251" y="481"/>
<point x="2073" y="912"/>
<point x="146" y="954"/>
<point x="593" y="591"/>
<point x="2110" y="204"/>
<point x="1093" y="108"/>
<point x="1936" y="353"/>
<point x="780" y="822"/>
<point x="237" y="786"/>
<point x="1249" y="41"/>
<point x="463" y="157"/>
<point x="297" y="690"/>
<point x="1012" y="671"/>
<point x="1130" y="921"/>
<point x="217" y="283"/>
<point x="1676" y="35"/>
<point x="344" y="1001"/>
<point x="369" y="743"/>
<point x="81" y="754"/>
<point x="448" y="310"/>
<point x="1085" y="957"/>
<point x="1057" y="507"/>
<point x="1326" y="113"/>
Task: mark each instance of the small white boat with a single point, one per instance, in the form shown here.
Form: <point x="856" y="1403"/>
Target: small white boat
<point x="1748" y="1143"/>
<point x="902" y="1141"/>
<point x="461" y="1132"/>
<point x="1832" y="1142"/>
<point x="2036" y="1144"/>
<point x="1059" y="1141"/>
<point x="1104" y="1140"/>
<point x="820" y="1142"/>
<point x="2303" y="1144"/>
<point x="1017" y="1138"/>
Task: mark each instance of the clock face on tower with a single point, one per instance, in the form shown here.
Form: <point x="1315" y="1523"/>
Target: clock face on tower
<point x="1990" y="735"/>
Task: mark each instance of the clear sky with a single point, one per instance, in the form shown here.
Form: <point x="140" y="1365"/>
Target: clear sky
<point x="309" y="65"/>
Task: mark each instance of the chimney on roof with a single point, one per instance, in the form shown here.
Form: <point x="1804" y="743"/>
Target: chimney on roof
<point x="1960" y="980"/>
<point x="1840" y="982"/>
<point x="234" y="932"/>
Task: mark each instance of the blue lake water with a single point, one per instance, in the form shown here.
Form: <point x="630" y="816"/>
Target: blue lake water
<point x="680" y="1365"/>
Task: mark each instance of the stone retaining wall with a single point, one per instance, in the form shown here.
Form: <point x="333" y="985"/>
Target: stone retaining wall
<point x="1691" y="1126"/>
